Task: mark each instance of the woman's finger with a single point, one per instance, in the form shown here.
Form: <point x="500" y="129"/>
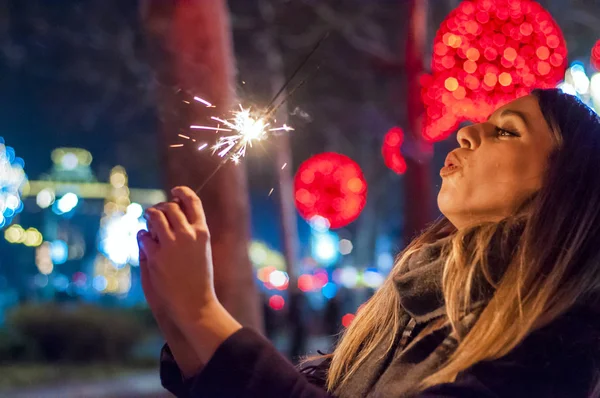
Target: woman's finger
<point x="151" y="230"/>
<point x="177" y="220"/>
<point x="160" y="225"/>
<point x="190" y="204"/>
<point x="147" y="287"/>
<point x="148" y="246"/>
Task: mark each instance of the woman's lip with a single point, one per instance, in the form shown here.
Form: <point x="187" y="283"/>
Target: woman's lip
<point x="452" y="160"/>
<point x="447" y="170"/>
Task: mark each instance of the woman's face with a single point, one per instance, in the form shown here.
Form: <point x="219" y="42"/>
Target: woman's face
<point x="499" y="164"/>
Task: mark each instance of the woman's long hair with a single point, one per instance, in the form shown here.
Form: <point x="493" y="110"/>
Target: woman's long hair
<point x="555" y="263"/>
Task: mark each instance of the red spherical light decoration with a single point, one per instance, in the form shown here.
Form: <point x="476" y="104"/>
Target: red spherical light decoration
<point x="487" y="53"/>
<point x="332" y="186"/>
<point x="595" y="59"/>
<point x="390" y="150"/>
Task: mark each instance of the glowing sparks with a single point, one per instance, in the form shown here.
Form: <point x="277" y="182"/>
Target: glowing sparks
<point x="283" y="167"/>
<point x="203" y="101"/>
<point x="271" y="191"/>
<point x="248" y="128"/>
<point x="209" y="128"/>
<point x="245" y="128"/>
<point x="282" y="128"/>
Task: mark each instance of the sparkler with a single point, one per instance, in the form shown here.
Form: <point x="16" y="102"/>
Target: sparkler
<point x="247" y="126"/>
<point x="247" y="129"/>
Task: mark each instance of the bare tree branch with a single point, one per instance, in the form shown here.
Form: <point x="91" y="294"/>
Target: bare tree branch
<point x="349" y="30"/>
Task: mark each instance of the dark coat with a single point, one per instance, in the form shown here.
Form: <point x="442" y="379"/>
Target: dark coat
<point x="559" y="360"/>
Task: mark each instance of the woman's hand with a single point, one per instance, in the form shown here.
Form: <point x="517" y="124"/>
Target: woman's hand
<point x="180" y="269"/>
<point x="182" y="351"/>
<point x="182" y="259"/>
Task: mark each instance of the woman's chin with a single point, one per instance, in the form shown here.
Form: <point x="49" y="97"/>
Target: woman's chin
<point x="448" y="201"/>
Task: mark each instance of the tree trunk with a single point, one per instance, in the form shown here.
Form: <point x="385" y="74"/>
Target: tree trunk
<point x="283" y="153"/>
<point x="191" y="48"/>
<point x="417" y="191"/>
<point x="289" y="226"/>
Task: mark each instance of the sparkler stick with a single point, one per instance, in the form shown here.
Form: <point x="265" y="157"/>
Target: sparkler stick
<point x="221" y="163"/>
<point x="300" y="66"/>
<point x="247" y="128"/>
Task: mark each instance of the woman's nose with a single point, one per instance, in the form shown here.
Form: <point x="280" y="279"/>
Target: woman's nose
<point x="469" y="136"/>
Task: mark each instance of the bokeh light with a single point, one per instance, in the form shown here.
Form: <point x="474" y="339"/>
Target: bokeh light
<point x="12" y="182"/>
<point x="276" y="302"/>
<point x="372" y="278"/>
<point x="14" y="234"/>
<point x="306" y="283"/>
<point x="595" y="91"/>
<point x="578" y="78"/>
<point x="32" y="237"/>
<point x="67" y="203"/>
<point x="579" y="84"/>
<point x="347" y="319"/>
<point x="487" y="53"/>
<point x="43" y="260"/>
<point x="45" y="198"/>
<point x="332" y="186"/>
<point x="59" y="252"/>
<point x="390" y="150"/>
<point x="348" y="277"/>
<point x="118" y="236"/>
<point x="40" y="280"/>
<point x="325" y="247"/>
<point x="100" y="283"/>
<point x="346" y="247"/>
<point x="279" y="280"/>
<point x="329" y="290"/>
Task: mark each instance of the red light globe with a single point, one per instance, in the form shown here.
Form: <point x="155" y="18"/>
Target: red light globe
<point x="595" y="58"/>
<point x="332" y="186"/>
<point x="487" y="53"/>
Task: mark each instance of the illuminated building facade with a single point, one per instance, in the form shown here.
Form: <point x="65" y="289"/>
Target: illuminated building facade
<point x="75" y="238"/>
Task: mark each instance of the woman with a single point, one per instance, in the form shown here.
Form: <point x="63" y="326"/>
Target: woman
<point x="500" y="298"/>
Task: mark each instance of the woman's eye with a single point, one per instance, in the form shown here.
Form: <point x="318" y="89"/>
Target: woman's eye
<point x="500" y="132"/>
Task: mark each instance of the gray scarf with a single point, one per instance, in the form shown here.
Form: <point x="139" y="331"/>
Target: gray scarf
<point x="397" y="372"/>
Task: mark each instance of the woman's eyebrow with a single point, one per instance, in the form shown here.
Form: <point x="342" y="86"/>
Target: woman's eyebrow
<point x="520" y="115"/>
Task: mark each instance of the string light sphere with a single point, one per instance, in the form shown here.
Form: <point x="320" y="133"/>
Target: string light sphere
<point x="485" y="54"/>
<point x="390" y="150"/>
<point x="595" y="58"/>
<point x="332" y="186"/>
<point x="12" y="182"/>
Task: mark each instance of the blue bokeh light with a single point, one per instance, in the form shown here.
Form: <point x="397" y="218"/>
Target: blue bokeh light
<point x="59" y="252"/>
<point x="329" y="290"/>
<point x="325" y="247"/>
<point x="12" y="181"/>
